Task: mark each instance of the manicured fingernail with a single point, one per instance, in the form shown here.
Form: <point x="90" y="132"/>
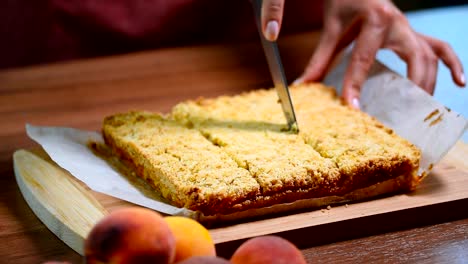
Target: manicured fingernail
<point x="462" y="79"/>
<point x="355" y="103"/>
<point x="298" y="81"/>
<point x="272" y="30"/>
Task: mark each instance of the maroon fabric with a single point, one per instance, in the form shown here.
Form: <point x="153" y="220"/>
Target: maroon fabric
<point x="55" y="30"/>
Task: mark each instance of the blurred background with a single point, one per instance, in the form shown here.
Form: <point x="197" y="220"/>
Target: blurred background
<point x="46" y="31"/>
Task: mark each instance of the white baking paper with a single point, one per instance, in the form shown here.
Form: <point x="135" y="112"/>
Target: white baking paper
<point x="68" y="147"/>
<point x="393" y="100"/>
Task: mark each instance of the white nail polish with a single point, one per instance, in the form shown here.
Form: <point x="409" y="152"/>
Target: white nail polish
<point x="298" y="81"/>
<point x="355" y="103"/>
<point x="462" y="78"/>
<point x="272" y="31"/>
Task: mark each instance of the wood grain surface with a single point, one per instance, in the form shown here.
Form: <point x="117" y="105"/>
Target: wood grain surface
<point x="79" y="94"/>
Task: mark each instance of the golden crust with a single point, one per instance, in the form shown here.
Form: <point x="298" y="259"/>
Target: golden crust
<point x="395" y="185"/>
<point x="178" y="162"/>
<point x="247" y="158"/>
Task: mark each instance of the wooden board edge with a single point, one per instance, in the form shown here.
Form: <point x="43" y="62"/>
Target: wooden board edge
<point x="47" y="190"/>
<point x="255" y="228"/>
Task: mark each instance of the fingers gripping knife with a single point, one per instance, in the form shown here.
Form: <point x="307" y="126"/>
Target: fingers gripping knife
<point x="276" y="69"/>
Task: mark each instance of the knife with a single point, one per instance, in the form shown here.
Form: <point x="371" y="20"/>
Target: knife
<point x="276" y="69"/>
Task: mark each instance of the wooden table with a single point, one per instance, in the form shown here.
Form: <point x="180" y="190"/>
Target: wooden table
<point x="80" y="94"/>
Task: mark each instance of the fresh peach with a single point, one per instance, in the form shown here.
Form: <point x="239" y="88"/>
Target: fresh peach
<point x="204" y="260"/>
<point x="130" y="235"/>
<point x="192" y="239"/>
<point x="267" y="249"/>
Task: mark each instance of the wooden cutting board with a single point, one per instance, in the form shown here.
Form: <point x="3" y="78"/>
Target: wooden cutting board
<point x="70" y="209"/>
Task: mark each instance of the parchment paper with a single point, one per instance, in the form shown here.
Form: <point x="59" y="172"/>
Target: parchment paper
<point x="392" y="99"/>
<point x="68" y="147"/>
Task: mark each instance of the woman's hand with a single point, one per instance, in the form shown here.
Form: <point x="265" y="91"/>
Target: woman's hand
<point x="372" y="24"/>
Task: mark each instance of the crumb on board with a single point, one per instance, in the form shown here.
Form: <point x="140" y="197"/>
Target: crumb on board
<point x="329" y="207"/>
<point x="431" y="166"/>
<point x="346" y="205"/>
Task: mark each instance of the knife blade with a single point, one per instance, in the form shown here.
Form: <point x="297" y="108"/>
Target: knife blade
<point x="272" y="55"/>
